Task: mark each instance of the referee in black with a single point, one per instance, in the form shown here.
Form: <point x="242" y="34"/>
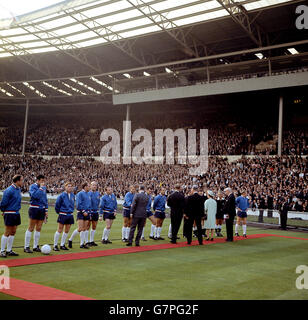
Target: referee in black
<point x="176" y="202"/>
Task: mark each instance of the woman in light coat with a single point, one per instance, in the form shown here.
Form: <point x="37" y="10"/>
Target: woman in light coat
<point x="210" y="207"/>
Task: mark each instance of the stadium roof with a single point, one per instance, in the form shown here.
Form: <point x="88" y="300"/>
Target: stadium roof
<point x="84" y="23"/>
<point x="78" y="49"/>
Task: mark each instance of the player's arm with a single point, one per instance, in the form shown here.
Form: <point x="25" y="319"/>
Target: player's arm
<point x="101" y="207"/>
<point x="149" y="205"/>
<point x="79" y="203"/>
<point x="45" y="199"/>
<point x="58" y="204"/>
<point x="155" y="203"/>
<point x="237" y="204"/>
<point x="115" y="205"/>
<point x="84" y="211"/>
<point x="126" y="198"/>
<point x="46" y="205"/>
<point x="5" y="200"/>
<point x="36" y="192"/>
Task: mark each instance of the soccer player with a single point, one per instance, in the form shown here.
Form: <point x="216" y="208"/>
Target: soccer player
<point x="95" y="199"/>
<point x="242" y="205"/>
<point x="108" y="208"/>
<point x="38" y="212"/>
<point x="83" y="206"/>
<point x="219" y="215"/>
<point x="159" y="207"/>
<point x="127" y="220"/>
<point x="10" y="206"/>
<point x="150" y="216"/>
<point x="64" y="207"/>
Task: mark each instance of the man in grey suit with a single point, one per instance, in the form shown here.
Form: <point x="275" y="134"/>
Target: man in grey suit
<point x="139" y="215"/>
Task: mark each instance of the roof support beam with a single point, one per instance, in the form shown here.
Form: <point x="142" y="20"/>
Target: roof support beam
<point x="167" y="25"/>
<point x="240" y="15"/>
<point x="125" y="45"/>
<point x="60" y="43"/>
<point x="23" y="55"/>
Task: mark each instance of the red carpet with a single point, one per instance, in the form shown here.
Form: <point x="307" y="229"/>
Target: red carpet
<point x="32" y="291"/>
<point x="111" y="252"/>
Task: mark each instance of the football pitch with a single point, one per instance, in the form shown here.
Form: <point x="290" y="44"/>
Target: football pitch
<point x="260" y="268"/>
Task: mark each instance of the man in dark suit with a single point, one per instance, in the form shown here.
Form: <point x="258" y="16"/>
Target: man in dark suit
<point x="193" y="212"/>
<point x="176" y="202"/>
<point x="138" y="215"/>
<point x="261" y="207"/>
<point x="229" y="212"/>
<point x="284" y="214"/>
<point x="270" y="205"/>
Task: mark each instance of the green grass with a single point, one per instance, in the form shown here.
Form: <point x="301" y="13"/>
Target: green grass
<point x="252" y="269"/>
<point x="8" y="297"/>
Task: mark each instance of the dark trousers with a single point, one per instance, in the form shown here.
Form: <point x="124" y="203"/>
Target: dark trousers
<point x="176" y="220"/>
<point x="283" y="220"/>
<point x="188" y="225"/>
<point x="270" y="213"/>
<point x="260" y="215"/>
<point x="229" y="227"/>
<point x="136" y="222"/>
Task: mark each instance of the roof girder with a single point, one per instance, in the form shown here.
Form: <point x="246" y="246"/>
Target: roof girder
<point x="167" y="25"/>
<point x="125" y="45"/>
<point x="240" y="15"/>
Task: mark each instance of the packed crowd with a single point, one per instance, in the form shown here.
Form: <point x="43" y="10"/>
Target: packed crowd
<point x="79" y="138"/>
<point x="269" y="181"/>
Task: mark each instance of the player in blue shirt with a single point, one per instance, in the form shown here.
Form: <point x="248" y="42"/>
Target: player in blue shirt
<point x="242" y="205"/>
<point x="10" y="206"/>
<point x="159" y="207"/>
<point x="64" y="207"/>
<point x="150" y="216"/>
<point x="108" y="209"/>
<point x="38" y="213"/>
<point x="95" y="199"/>
<point x="83" y="206"/>
<point x="127" y="220"/>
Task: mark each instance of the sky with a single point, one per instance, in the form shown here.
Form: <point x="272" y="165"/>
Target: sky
<point x="9" y="8"/>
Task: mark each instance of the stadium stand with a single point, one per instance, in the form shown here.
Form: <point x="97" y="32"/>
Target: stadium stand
<point x="279" y="177"/>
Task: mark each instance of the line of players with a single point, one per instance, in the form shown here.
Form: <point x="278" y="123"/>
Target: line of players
<point x="91" y="207"/>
